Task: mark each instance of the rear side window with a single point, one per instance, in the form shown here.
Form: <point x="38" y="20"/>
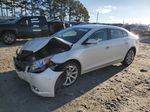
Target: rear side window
<point x="100" y="35"/>
<point x="37" y="22"/>
<point x="125" y="34"/>
<point x="115" y="33"/>
<point x="43" y="21"/>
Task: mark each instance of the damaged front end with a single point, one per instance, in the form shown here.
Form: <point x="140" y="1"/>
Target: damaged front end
<point x="34" y="65"/>
<point x="39" y="58"/>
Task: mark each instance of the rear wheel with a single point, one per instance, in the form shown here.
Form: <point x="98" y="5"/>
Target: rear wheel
<point x="8" y="38"/>
<point x="129" y="57"/>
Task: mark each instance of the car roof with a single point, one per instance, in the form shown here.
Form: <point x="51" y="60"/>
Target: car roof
<point x="95" y="26"/>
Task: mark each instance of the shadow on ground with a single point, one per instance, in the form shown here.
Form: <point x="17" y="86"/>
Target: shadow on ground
<point x="16" y="96"/>
<point x="19" y="42"/>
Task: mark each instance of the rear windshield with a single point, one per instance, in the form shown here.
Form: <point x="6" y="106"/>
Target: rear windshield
<point x="73" y="34"/>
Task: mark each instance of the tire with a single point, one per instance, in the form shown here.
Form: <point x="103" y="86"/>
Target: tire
<point x="72" y="71"/>
<point x="9" y="38"/>
<point x="129" y="57"/>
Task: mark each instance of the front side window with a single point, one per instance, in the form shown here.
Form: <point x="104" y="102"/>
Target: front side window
<point x="73" y="34"/>
<point x="114" y="33"/>
<point x="24" y="22"/>
<point x="100" y="35"/>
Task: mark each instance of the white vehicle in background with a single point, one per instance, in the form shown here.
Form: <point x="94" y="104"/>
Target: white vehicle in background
<point x="141" y="30"/>
<point x="47" y="63"/>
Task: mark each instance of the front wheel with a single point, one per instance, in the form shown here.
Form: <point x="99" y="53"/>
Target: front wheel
<point x="129" y="57"/>
<point x="72" y="71"/>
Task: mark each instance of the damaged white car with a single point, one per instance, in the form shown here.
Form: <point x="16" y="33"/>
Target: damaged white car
<point x="47" y="63"/>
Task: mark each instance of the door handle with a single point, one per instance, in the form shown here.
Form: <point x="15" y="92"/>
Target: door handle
<point x="107" y="47"/>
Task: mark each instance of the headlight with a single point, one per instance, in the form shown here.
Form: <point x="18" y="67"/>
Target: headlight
<point x="18" y="51"/>
<point x="41" y="65"/>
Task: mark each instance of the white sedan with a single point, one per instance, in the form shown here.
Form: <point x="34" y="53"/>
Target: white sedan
<point x="49" y="62"/>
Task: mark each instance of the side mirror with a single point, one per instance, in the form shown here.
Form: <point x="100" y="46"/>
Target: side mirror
<point x="91" y="41"/>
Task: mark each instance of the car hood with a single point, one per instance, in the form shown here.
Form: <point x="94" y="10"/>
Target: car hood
<point x="4" y="25"/>
<point x="36" y="44"/>
<point x="43" y="47"/>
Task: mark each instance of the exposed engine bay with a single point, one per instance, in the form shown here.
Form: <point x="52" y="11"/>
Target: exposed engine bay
<point x="26" y="58"/>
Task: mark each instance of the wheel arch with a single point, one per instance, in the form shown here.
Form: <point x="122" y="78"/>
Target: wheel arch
<point x="134" y="48"/>
<point x="124" y="61"/>
<point x="11" y="31"/>
<point x="61" y="78"/>
<point x="60" y="64"/>
<point x="76" y="61"/>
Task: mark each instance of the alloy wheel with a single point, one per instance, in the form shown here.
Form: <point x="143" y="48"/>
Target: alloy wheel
<point x="9" y="38"/>
<point x="130" y="57"/>
<point x="71" y="74"/>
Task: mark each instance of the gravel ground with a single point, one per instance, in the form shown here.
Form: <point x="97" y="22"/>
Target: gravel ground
<point x="113" y="88"/>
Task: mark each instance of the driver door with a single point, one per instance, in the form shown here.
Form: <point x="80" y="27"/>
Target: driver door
<point x="24" y="28"/>
<point x="95" y="55"/>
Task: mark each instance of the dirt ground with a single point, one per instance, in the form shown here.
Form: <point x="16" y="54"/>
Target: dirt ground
<point x="113" y="88"/>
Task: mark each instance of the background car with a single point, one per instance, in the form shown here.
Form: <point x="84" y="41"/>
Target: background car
<point x="27" y="27"/>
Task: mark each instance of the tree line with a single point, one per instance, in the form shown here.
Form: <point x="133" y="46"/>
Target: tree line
<point x="62" y="10"/>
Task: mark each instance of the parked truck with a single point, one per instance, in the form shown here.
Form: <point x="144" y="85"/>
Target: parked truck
<point x="27" y="27"/>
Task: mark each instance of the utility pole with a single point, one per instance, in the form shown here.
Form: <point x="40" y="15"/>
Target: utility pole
<point x="123" y="21"/>
<point x="97" y="17"/>
<point x="98" y="12"/>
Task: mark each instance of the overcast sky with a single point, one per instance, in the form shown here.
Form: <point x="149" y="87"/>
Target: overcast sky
<point x="117" y="11"/>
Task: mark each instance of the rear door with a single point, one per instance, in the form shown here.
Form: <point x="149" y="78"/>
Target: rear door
<point x="118" y="44"/>
<point x="39" y="26"/>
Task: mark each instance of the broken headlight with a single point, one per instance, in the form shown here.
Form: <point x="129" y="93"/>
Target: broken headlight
<point x="41" y="65"/>
<point x="18" y="51"/>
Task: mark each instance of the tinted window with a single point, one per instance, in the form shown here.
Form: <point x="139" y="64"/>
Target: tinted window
<point x="43" y="21"/>
<point x="125" y="34"/>
<point x="72" y="34"/>
<point x="114" y="33"/>
<point x="24" y="22"/>
<point x="100" y="35"/>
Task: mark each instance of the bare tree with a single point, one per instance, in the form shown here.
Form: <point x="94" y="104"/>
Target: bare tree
<point x="1" y="7"/>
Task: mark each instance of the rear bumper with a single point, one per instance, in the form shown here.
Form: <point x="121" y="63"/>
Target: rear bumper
<point x="43" y="84"/>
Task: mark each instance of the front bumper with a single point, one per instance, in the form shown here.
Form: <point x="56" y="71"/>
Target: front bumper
<point x="42" y="84"/>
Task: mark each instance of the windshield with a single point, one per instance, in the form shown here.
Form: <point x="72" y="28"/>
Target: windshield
<point x="73" y="34"/>
<point x="9" y="20"/>
<point x="14" y="20"/>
